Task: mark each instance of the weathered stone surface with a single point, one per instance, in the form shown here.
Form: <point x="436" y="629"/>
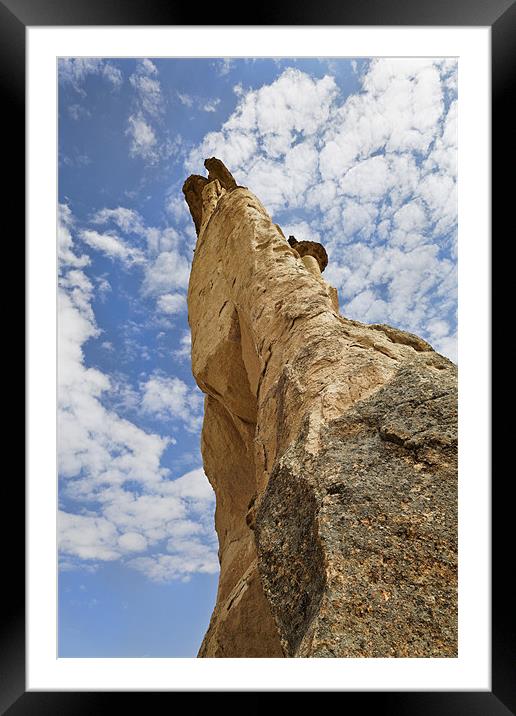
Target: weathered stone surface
<point x="377" y="507"/>
<point x="192" y="189"/>
<point x="331" y="447"/>
<point x="217" y="170"/>
<point x="310" y="248"/>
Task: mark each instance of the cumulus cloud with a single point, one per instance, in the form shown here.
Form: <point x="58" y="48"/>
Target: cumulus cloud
<point x="108" y="465"/>
<point x="132" y="542"/>
<point x="172" y="399"/>
<point x="169" y="271"/>
<point x="176" y="518"/>
<point x="93" y="442"/>
<point x="143" y="138"/>
<point x="192" y="558"/>
<point x="127" y="220"/>
<point x="87" y="537"/>
<point x="185" y="347"/>
<point x="111" y="245"/>
<point x="269" y="122"/>
<point x="373" y="176"/>
<point x="157" y="240"/>
<point x="171" y="303"/>
<point x="176" y="206"/>
<point x="165" y="269"/>
<point x="162" y="240"/>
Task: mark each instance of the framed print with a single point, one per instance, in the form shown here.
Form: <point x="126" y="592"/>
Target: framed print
<point x="121" y="107"/>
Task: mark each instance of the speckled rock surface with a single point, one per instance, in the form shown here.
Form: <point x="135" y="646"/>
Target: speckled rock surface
<point x="331" y="447"/>
<point x="377" y="507"/>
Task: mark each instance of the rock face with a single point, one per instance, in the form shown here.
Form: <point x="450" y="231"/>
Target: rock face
<point x="310" y="248"/>
<point x="332" y="449"/>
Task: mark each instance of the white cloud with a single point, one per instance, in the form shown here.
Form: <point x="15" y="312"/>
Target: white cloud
<point x="439" y="191"/>
<point x="128" y="220"/>
<point x="193" y="558"/>
<point x="162" y="240"/>
<point x="301" y="230"/>
<point x="185" y="347"/>
<point x="103" y="287"/>
<point x="359" y="217"/>
<point x="192" y="486"/>
<point x="410" y="217"/>
<point x="143" y="138"/>
<point x="171" y="398"/>
<point x="112" y="246"/>
<point x="447" y="345"/>
<point x="169" y="271"/>
<point x="178" y="516"/>
<point x="66" y="255"/>
<point x="200" y="103"/>
<point x="177" y="207"/>
<point x="211" y="105"/>
<point x="87" y="537"/>
<point x="294" y="104"/>
<point x="112" y="74"/>
<point x="94" y="442"/>
<point x="113" y="467"/>
<point x="438" y="328"/>
<point x="150" y="139"/>
<point x="373" y="175"/>
<point x="74" y="71"/>
<point x="132" y="542"/>
<point x="147" y="87"/>
<point x="186" y="99"/>
<point x="236" y="147"/>
<point x="224" y="66"/>
<point x="171" y="303"/>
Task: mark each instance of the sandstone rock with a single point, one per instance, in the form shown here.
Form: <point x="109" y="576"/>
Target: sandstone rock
<point x="217" y="170"/>
<point x="331" y="446"/>
<point x="310" y="248"/>
<point x="192" y="189"/>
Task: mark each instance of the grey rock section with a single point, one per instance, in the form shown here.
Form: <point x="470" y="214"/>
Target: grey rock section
<point x="357" y="545"/>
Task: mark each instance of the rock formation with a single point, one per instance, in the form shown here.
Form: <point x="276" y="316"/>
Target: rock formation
<point x="331" y="446"/>
<point x="310" y="248"/>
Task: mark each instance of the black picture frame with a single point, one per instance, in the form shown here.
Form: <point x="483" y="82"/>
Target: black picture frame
<point x="500" y="16"/>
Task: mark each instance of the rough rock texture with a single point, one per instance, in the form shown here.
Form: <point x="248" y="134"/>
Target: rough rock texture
<point x="310" y="248"/>
<point x="217" y="170"/>
<point x="332" y="449"/>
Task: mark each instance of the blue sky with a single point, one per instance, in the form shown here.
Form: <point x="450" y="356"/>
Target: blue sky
<point x="358" y="154"/>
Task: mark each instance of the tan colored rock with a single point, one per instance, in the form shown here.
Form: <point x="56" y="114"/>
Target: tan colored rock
<point x="192" y="189"/>
<point x="331" y="447"/>
<point x="310" y="248"/>
<point x="217" y="170"/>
